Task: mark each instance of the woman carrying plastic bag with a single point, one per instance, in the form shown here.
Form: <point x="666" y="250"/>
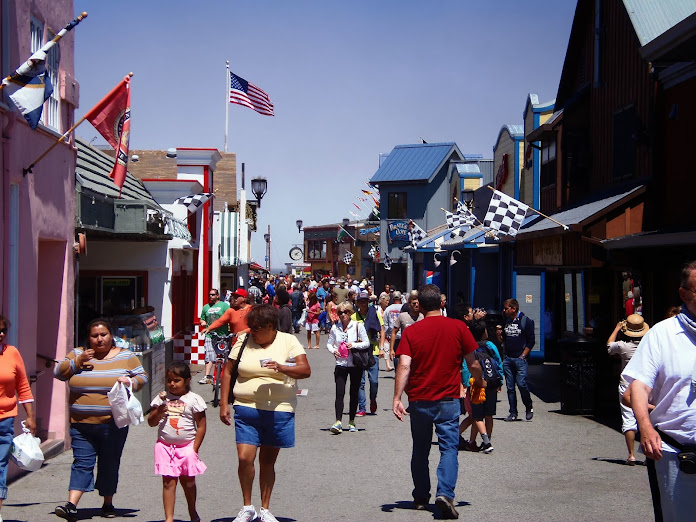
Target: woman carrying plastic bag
<point x="13" y="382"/>
<point x="91" y="371"/>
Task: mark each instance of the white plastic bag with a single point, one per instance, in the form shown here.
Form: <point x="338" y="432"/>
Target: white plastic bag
<point x="125" y="408"/>
<point x="26" y="450"/>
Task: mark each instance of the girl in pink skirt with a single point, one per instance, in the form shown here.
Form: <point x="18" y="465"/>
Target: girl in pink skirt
<point x="180" y="415"/>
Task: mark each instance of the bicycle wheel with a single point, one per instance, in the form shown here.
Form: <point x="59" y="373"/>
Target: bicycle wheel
<point x="216" y="385"/>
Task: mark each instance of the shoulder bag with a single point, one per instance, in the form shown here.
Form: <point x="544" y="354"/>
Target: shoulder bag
<point x="235" y="371"/>
<point x="362" y="357"/>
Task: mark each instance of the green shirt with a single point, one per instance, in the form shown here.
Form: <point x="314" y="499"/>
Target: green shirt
<point x="212" y="313"/>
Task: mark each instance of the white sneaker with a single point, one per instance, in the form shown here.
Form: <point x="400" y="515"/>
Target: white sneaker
<point x="246" y="514"/>
<point x="266" y="516"/>
<point x="205" y="380"/>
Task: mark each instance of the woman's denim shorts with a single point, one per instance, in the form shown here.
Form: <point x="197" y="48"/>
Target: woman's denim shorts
<point x="264" y="428"/>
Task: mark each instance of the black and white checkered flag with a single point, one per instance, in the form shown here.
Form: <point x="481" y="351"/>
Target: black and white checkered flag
<point x="505" y="214"/>
<point x="387" y="262"/>
<point x="373" y="252"/>
<point x="416" y="234"/>
<point x="347" y="257"/>
<point x="459" y="220"/>
<point x="194" y="202"/>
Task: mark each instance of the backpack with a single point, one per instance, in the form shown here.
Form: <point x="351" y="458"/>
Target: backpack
<point x="489" y="366"/>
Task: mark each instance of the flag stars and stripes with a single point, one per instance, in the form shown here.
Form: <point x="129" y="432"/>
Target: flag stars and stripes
<point x="249" y="95"/>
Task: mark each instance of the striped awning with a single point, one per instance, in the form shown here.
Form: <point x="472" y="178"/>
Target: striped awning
<point x="229" y="254"/>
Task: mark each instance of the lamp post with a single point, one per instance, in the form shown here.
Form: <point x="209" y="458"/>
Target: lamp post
<point x="468" y="199"/>
<point x="258" y="188"/>
<point x="267" y="238"/>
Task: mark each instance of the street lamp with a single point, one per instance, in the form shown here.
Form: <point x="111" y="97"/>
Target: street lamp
<point x="468" y="199"/>
<point x="346" y="222"/>
<point x="298" y="223"/>
<point x="258" y="188"/>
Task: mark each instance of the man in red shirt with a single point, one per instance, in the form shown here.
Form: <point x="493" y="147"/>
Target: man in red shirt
<point x="430" y="360"/>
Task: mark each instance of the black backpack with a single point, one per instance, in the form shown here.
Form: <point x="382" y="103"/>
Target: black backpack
<point x="489" y="365"/>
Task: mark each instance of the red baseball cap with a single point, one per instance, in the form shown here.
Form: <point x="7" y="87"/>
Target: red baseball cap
<point x="240" y="292"/>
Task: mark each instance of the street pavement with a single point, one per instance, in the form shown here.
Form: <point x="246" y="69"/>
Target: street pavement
<point x="557" y="467"/>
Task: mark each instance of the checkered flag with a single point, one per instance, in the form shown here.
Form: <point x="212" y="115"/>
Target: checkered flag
<point x="193" y="203"/>
<point x="505" y="214"/>
<point x="387" y="262"/>
<point x="347" y="257"/>
<point x="459" y="220"/>
<point x="416" y="234"/>
<point x="373" y="252"/>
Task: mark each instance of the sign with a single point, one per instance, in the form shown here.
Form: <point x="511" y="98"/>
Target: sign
<point x="398" y="230"/>
<point x="528" y="298"/>
<point x="548" y="251"/>
<point x="368" y="234"/>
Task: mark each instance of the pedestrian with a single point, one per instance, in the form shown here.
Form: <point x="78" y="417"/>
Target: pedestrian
<point x="212" y="311"/>
<point x="236" y="315"/>
<point x="91" y="371"/>
<point x="624" y="341"/>
<point x="341" y="291"/>
<point x="430" y="359"/>
<point x="375" y="332"/>
<point x="403" y="321"/>
<point x="331" y="311"/>
<point x="518" y="336"/>
<point x="384" y="351"/>
<point x="322" y="297"/>
<point x="312" y="323"/>
<point x="298" y="305"/>
<point x="663" y="371"/>
<point x="345" y="336"/>
<point x="14" y="389"/>
<point x="284" y="311"/>
<point x="265" y="398"/>
<point x="179" y="415"/>
<point x="443" y="305"/>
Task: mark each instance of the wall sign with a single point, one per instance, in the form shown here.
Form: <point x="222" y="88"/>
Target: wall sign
<point x="548" y="251"/>
<point x="398" y="230"/>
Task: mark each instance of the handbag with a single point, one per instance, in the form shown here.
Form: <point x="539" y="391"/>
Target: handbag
<point x="235" y="371"/>
<point x="135" y="409"/>
<point x="362" y="357"/>
<point x="26" y="451"/>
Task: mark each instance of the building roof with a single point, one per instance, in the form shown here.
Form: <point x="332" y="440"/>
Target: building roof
<point x="92" y="173"/>
<point x="418" y="162"/>
<point x="650" y="19"/>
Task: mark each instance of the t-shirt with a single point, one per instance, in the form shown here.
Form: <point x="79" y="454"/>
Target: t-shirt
<point x="236" y="319"/>
<point x="665" y="361"/>
<point x="341" y="294"/>
<point x="404" y="320"/>
<point x="625" y="349"/>
<point x="262" y="388"/>
<point x="437" y="346"/>
<point x="313" y="313"/>
<point x="13" y="381"/>
<point x="178" y="425"/>
<point x="391" y="312"/>
<point x="357" y="316"/>
<point x="321" y="296"/>
<point x="212" y="313"/>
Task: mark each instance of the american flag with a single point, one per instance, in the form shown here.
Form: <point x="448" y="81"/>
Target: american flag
<point x="244" y="93"/>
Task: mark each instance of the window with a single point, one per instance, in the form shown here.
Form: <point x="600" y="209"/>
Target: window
<point x="51" y="113"/>
<point x="548" y="163"/>
<point x="396" y="202"/>
<point x="316" y="249"/>
<point x="625" y="125"/>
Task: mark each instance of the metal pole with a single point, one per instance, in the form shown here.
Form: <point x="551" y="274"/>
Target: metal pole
<point x="268" y="267"/>
<point x="227" y="103"/>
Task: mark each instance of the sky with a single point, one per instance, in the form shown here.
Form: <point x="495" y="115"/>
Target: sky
<point x="349" y="80"/>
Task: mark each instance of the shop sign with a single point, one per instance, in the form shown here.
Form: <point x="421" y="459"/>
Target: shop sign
<point x="548" y="251"/>
<point x="398" y="230"/>
<point x="369" y="234"/>
<point x="116" y="282"/>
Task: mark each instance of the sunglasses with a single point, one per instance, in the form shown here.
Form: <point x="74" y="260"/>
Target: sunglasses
<point x="344" y="312"/>
<point x="212" y="295"/>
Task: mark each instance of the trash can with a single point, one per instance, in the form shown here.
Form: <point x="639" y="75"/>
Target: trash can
<point x="578" y="356"/>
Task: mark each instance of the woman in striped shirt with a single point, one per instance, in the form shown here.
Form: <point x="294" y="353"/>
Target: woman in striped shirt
<point x="91" y="372"/>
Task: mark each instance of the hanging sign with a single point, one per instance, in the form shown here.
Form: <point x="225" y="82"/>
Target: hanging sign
<point x="398" y="230"/>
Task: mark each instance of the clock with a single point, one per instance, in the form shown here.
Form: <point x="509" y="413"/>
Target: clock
<point x="296" y="254"/>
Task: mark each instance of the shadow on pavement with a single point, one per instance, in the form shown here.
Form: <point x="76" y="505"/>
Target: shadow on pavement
<point x="408" y="505"/>
<point x="231" y="519"/>
<point x="621" y="462"/>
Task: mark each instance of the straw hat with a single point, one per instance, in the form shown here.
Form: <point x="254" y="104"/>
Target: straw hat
<point x="635" y="326"/>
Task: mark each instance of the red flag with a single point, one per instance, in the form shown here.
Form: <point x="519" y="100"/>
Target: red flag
<point x="111" y="117"/>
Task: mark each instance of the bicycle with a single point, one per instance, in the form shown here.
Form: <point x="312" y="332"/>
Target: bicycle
<point x="222" y="346"/>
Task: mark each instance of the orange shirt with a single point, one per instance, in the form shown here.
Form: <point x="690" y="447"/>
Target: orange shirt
<point x="13" y="381"/>
<point x="235" y="318"/>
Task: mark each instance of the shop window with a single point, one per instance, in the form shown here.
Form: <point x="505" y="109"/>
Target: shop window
<point x="631" y="294"/>
<point x="316" y="250"/>
<point x="51" y="114"/>
<point x="548" y="163"/>
<point x="396" y="202"/>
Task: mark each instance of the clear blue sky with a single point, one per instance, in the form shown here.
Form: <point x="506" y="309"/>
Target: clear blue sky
<point x="349" y="80"/>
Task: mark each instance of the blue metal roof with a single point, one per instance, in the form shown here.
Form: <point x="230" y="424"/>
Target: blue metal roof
<point x="650" y="19"/>
<point x="418" y="162"/>
<point x="467" y="168"/>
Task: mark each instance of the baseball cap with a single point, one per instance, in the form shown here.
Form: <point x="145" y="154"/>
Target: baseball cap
<point x="362" y="294"/>
<point x="396" y="294"/>
<point x="240" y="292"/>
<point x="342" y="280"/>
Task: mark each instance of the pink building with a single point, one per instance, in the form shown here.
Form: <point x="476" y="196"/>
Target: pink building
<point x="37" y="228"/>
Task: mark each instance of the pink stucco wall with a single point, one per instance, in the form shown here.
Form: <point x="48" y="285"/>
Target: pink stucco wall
<point x="46" y="218"/>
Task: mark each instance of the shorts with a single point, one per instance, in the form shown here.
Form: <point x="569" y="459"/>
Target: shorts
<point x="176" y="460"/>
<point x="312" y="327"/>
<point x="263" y="427"/>
<point x="210" y="355"/>
<point x="487" y="407"/>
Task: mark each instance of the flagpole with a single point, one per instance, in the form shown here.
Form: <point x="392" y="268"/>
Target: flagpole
<point x="565" y="227"/>
<point x="45" y="48"/>
<point x="227" y="100"/>
<point x="65" y="135"/>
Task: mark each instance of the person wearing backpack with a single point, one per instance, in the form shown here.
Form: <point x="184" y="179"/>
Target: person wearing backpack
<point x="518" y="336"/>
<point x="492" y="366"/>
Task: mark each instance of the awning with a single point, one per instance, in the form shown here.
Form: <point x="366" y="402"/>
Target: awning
<point x="229" y="222"/>
<point x="578" y="217"/>
<point x="655" y="238"/>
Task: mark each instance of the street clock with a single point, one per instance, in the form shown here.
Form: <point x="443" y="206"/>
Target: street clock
<point x="296" y="254"/>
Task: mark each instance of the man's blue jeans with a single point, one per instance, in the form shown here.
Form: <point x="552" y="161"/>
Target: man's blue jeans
<point x="515" y="370"/>
<point x="372" y="375"/>
<point x="444" y="416"/>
